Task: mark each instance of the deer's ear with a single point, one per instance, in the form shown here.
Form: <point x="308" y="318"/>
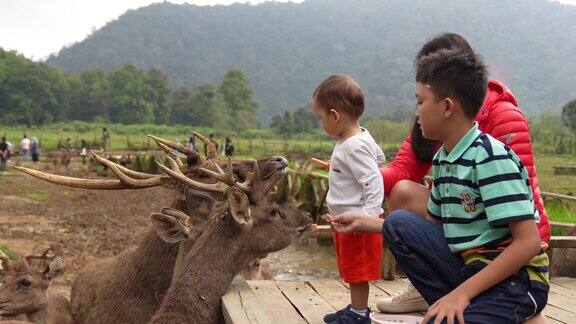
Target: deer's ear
<point x="170" y="228"/>
<point x="239" y="207"/>
<point x="55" y="267"/>
<point x="199" y="203"/>
<point x="23" y="266"/>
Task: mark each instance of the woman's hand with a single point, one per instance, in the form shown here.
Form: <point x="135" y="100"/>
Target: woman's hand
<point x="450" y="306"/>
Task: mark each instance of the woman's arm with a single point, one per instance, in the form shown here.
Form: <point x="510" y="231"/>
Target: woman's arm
<point x="405" y="166"/>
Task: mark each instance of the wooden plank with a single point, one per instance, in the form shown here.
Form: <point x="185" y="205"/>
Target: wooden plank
<point x="333" y="292"/>
<point x="563" y="242"/>
<point x="390" y="287"/>
<point x="240" y="305"/>
<point x="569" y="283"/>
<point x="278" y="307"/>
<point x="561" y="302"/>
<point x="563" y="291"/>
<point x="562" y="225"/>
<point x="232" y="307"/>
<point x="375" y="294"/>
<point x="559" y="314"/>
<point x="306" y="300"/>
<point x="558" y="196"/>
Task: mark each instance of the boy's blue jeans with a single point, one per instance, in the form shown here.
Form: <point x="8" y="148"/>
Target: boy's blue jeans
<point x="423" y="254"/>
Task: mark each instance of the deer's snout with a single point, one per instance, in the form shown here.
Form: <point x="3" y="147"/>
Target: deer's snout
<point x="280" y="160"/>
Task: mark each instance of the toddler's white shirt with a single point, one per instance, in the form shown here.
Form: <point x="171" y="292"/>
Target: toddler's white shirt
<point x="355" y="181"/>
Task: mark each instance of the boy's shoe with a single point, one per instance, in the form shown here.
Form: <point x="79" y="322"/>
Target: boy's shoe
<point x="347" y="316"/>
<point x="406" y="300"/>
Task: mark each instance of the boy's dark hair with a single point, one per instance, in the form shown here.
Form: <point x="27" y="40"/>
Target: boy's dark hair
<point x="445" y="41"/>
<point x="457" y="74"/>
<point x="422" y="147"/>
<point x="342" y="93"/>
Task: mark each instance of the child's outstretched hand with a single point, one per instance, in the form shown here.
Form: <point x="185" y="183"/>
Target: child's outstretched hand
<point x="346" y="223"/>
<point x="450" y="307"/>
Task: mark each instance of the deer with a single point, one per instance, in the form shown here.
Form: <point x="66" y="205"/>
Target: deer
<point x="245" y="227"/>
<point x="27" y="291"/>
<point x="128" y="288"/>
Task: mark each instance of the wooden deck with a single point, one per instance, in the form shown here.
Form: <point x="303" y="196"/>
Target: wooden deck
<point x="307" y="302"/>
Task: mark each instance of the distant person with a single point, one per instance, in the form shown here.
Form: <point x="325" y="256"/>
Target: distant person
<point x="35" y="149"/>
<point x="105" y="139"/>
<point x="3" y="155"/>
<point x="229" y="147"/>
<point x="83" y="151"/>
<point x="68" y="145"/>
<point x="25" y="144"/>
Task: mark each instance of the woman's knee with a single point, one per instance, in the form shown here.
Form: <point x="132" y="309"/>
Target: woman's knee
<point x="409" y="195"/>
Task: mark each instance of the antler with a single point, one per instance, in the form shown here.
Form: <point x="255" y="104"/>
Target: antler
<point x="211" y="151"/>
<point x="166" y="145"/>
<point x="127" y="179"/>
<point x="4" y="261"/>
<point x="225" y="178"/>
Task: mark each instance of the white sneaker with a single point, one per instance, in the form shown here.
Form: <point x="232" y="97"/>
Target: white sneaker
<point x="406" y="300"/>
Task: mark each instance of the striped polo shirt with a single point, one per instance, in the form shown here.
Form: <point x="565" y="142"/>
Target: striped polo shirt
<point x="479" y="187"/>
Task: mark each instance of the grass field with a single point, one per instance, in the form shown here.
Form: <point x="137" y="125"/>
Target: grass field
<point x="256" y="143"/>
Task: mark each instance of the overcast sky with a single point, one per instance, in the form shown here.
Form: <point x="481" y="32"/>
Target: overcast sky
<point x="37" y="28"/>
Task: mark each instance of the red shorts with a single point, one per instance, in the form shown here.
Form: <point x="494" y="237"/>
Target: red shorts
<point x="359" y="256"/>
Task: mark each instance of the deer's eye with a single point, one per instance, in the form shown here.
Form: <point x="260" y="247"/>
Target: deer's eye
<point x="24" y="283"/>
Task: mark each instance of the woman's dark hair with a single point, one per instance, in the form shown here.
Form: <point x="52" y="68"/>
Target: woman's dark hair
<point x="423" y="147"/>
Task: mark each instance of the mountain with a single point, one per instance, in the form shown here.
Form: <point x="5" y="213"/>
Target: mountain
<point x="286" y="49"/>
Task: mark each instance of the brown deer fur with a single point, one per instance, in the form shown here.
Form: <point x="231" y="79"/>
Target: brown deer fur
<point x="28" y="292"/>
<point x="128" y="288"/>
<point x="221" y="252"/>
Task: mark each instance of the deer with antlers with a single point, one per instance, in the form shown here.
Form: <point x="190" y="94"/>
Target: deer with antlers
<point x="27" y="291"/>
<point x="127" y="288"/>
<point x="245" y="227"/>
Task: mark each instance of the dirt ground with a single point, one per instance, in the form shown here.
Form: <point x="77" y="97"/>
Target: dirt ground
<point x="89" y="224"/>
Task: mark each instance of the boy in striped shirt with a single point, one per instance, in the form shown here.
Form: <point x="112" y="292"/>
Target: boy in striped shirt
<point x="485" y="263"/>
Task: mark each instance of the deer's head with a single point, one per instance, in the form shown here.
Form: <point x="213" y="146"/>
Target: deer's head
<point x="24" y="289"/>
<point x="246" y="216"/>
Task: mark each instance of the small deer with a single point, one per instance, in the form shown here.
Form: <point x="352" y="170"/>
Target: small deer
<point x="244" y="228"/>
<point x="127" y="288"/>
<point x="27" y="291"/>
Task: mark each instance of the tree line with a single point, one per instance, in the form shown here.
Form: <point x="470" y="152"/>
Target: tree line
<point x="35" y="94"/>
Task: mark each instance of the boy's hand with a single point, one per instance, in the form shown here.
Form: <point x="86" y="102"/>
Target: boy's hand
<point x="346" y="223"/>
<point x="450" y="306"/>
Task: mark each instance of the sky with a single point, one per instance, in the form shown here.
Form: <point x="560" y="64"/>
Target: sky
<point x="37" y="28"/>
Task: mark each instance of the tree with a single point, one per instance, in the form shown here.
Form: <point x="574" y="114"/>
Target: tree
<point x="569" y="115"/>
<point x="159" y="95"/>
<point x="237" y="95"/>
<point x="131" y="93"/>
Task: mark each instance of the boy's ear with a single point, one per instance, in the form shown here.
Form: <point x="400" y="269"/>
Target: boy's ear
<point x="334" y="114"/>
<point x="449" y="107"/>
